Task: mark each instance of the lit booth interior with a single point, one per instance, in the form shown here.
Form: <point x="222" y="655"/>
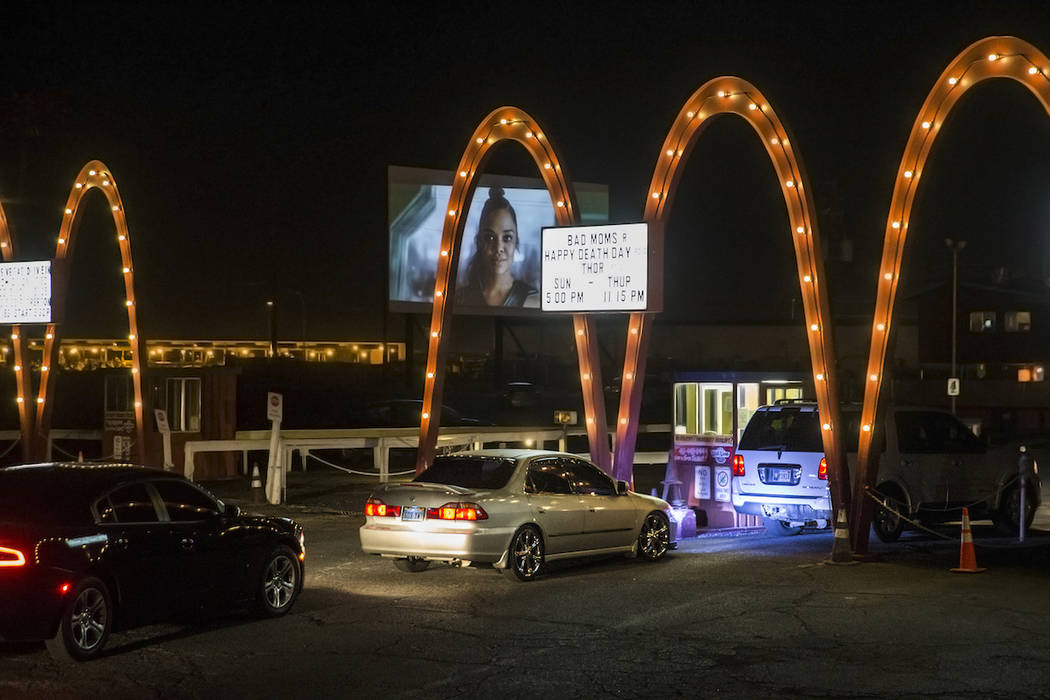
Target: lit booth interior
<point x="710" y="412"/>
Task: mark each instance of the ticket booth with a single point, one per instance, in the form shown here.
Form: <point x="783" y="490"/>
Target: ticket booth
<point x="710" y="412"/>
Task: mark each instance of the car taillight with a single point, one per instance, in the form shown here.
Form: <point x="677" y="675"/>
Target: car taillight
<point x="738" y="465"/>
<point x="458" y="511"/>
<point x="822" y="470"/>
<point x="375" y="507"/>
<point x="11" y="557"/>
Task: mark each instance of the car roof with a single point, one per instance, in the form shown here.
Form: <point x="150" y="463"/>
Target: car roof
<point x="511" y="453"/>
<point x="86" y="472"/>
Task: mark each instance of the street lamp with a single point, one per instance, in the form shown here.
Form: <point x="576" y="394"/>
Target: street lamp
<point x="955" y="247"/>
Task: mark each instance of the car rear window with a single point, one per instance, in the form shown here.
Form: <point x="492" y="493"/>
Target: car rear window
<point x="789" y="430"/>
<point x="469" y="472"/>
<point x="41" y="499"/>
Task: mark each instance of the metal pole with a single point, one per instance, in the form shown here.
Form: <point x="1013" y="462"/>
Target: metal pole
<point x="1022" y="472"/>
<point x="955" y="309"/>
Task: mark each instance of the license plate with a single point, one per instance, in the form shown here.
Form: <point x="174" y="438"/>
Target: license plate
<point x="780" y="476"/>
<point x="412" y="513"/>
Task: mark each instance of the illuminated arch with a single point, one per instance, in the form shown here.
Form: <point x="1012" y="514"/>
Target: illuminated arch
<point x="992" y="57"/>
<point x="732" y="95"/>
<point x="93" y="176"/>
<point x="513" y="124"/>
<point x="25" y="419"/>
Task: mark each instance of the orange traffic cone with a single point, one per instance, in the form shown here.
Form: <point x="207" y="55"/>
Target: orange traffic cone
<point x="967" y="557"/>
<point x="841" y="554"/>
<point x="258" y="495"/>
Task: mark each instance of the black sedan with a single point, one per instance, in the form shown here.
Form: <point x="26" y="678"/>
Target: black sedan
<point x="86" y="549"/>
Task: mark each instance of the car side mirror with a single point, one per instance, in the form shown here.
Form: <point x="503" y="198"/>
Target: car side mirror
<point x="232" y="511"/>
<point x="622" y="487"/>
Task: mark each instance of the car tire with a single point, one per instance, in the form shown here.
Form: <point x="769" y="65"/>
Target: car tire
<point x="86" y="621"/>
<point x="278" y="583"/>
<point x="412" y="565"/>
<point x="1005" y="518"/>
<point x="888" y="526"/>
<point x="654" y="537"/>
<point x="525" y="556"/>
<point x="781" y="528"/>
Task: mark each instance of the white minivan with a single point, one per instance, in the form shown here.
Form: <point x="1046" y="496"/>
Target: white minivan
<point x="930" y="466"/>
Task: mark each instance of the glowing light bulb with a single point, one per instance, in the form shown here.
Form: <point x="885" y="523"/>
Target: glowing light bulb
<point x="116" y="208"/>
<point x="579" y="332"/>
<point x="586" y="376"/>
<point x="752" y="106"/>
<point x="451" y="212"/>
<point x="122" y="237"/>
<point x="627" y="375"/>
<point x="433" y="334"/>
<point x="561" y="204"/>
<point x="462" y="173"/>
<point x="807" y="278"/>
<point x="789" y="183"/>
<point x="61" y="241"/>
<point x="827" y="426"/>
<point x="481" y="140"/>
<point x="19" y="399"/>
<point x="623" y="421"/>
<point x="444" y="253"/>
<point x="874" y="377"/>
<point x="952" y="81"/>
<point x="131" y="336"/>
<point x="126" y="270"/>
<point x="814" y="327"/>
<point x="896" y="224"/>
<point x="880" y="327"/>
<point x="546" y="166"/>
<point x="888" y="275"/>
<point x="91" y="172"/>
<point x="14" y="336"/>
<point x="907" y="173"/>
<point x="670" y="151"/>
<point x="39" y="400"/>
<point x="774" y="140"/>
<point x="79" y="186"/>
<point x="866" y="427"/>
<point x="800" y="229"/>
<point x="993" y="56"/>
<point x="656" y="195"/>
<point x="69" y="211"/>
<point x="430" y="375"/>
<point x="820" y="377"/>
<point x="105" y="183"/>
<point x="925" y="125"/>
<point x="1033" y="70"/>
<point x="528" y="134"/>
<point x="134" y="370"/>
<point x="127" y="303"/>
<point x="49" y="336"/>
<point x="426" y="415"/>
<point x="690" y="114"/>
<point x="18" y="368"/>
<point x="138" y="404"/>
<point x="438" y="293"/>
<point x="502" y="121"/>
<point x="634" y="331"/>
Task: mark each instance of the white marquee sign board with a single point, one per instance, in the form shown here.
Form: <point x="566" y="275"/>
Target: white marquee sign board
<point x="595" y="268"/>
<point x="25" y="292"/>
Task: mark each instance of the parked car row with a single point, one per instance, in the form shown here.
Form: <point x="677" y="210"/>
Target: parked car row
<point x="930" y="466"/>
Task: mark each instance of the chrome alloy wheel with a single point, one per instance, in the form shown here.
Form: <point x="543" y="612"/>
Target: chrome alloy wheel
<point x="655" y="537"/>
<point x="279" y="582"/>
<point x="88" y="621"/>
<point x="527" y="554"/>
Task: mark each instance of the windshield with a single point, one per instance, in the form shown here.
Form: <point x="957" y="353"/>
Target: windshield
<point x="469" y="472"/>
<point x="787" y="430"/>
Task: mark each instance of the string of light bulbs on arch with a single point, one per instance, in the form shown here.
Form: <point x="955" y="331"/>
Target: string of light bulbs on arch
<point x="778" y="145"/>
<point x="94" y="175"/>
<point x="951" y="85"/>
<point x="507" y="123"/>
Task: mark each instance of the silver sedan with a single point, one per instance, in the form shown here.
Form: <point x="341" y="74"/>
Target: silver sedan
<point x="514" y="509"/>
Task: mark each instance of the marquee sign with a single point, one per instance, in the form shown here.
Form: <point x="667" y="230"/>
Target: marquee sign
<point x="25" y="292"/>
<point x="595" y="268"/>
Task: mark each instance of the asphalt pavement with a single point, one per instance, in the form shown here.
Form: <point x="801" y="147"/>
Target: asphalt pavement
<point x="721" y="617"/>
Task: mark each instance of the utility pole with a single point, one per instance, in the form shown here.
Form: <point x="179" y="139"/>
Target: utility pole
<point x="271" y="307"/>
<point x="955" y="247"/>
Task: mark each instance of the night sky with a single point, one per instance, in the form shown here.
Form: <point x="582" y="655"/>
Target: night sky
<point x="251" y="142"/>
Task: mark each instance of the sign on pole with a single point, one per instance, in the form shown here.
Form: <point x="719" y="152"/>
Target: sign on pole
<point x="165" y="433"/>
<point x="274" y="471"/>
<point x="953" y="386"/>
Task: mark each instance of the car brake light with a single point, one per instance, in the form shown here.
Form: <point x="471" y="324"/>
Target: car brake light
<point x="738" y="465"/>
<point x="64" y="588"/>
<point x="822" y="470"/>
<point x="11" y="557"/>
<point x="375" y="507"/>
<point x="458" y="511"/>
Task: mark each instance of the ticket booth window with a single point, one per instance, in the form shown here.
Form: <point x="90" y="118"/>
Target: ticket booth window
<point x="776" y="393"/>
<point x="718" y="409"/>
<point x="686" y="415"/>
<point x="746" y="405"/>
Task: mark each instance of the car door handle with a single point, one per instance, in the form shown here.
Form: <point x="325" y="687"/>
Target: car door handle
<point x="541" y="510"/>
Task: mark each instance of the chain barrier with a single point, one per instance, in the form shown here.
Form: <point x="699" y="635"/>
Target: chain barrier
<point x="354" y="471"/>
<point x="73" y="457"/>
<point x="883" y="501"/>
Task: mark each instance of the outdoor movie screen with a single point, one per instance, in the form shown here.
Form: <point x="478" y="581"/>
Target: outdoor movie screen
<point x="25" y="292"/>
<point x="500" y="254"/>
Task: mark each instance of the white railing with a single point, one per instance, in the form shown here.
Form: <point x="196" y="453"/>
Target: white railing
<point x="382" y="440"/>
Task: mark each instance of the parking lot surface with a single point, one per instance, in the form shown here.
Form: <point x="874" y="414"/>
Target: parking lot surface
<point x="744" y="616"/>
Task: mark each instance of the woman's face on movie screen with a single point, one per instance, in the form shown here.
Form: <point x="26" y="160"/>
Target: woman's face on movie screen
<point x="498" y="239"/>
